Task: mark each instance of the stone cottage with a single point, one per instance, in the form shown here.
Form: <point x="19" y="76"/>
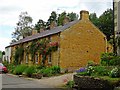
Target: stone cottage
<point x="78" y="42"/>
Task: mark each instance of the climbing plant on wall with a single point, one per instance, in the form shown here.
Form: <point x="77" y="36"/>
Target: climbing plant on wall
<point x="18" y="55"/>
<point x="44" y="47"/>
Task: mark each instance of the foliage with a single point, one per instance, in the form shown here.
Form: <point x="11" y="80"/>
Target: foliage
<point x="29" y="71"/>
<point x="110" y="59"/>
<point x="106" y="23"/>
<point x="24" y="26"/>
<point x="106" y="57"/>
<point x="18" y="55"/>
<point x="40" y="25"/>
<point x="50" y="71"/>
<point x="73" y="16"/>
<point x="20" y="69"/>
<point x="70" y="84"/>
<point x="52" y="17"/>
<point x="81" y="70"/>
<point x="94" y="19"/>
<point x="44" y="47"/>
<point x="11" y="67"/>
<point x="115" y="72"/>
<point x="86" y="71"/>
<point x="101" y="71"/>
<point x="5" y="63"/>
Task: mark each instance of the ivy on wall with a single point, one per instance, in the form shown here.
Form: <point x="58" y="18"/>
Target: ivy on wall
<point x="18" y="55"/>
<point x="44" y="47"/>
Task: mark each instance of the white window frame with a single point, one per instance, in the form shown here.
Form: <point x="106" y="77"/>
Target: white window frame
<point x="50" y="58"/>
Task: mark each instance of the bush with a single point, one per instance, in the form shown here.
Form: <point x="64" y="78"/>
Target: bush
<point x="29" y="71"/>
<point x="50" y="71"/>
<point x="110" y="59"/>
<point x="55" y="69"/>
<point x="46" y="72"/>
<point x="19" y="69"/>
<point x="115" y="72"/>
<point x="106" y="57"/>
<point x="101" y="71"/>
<point x="11" y="67"/>
<point x="115" y="61"/>
<point x="70" y="84"/>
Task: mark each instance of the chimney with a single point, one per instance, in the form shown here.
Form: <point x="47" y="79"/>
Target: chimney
<point x="84" y="15"/>
<point x="53" y="24"/>
<point x="66" y="20"/>
<point x="34" y="32"/>
<point x="42" y="29"/>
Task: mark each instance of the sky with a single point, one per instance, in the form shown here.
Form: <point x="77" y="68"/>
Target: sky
<point x="41" y="9"/>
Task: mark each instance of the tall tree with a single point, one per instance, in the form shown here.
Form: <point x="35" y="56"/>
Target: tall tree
<point x="73" y="16"/>
<point x="94" y="19"/>
<point x="106" y="23"/>
<point x="24" y="26"/>
<point x="61" y="18"/>
<point x="53" y="17"/>
<point x="40" y="25"/>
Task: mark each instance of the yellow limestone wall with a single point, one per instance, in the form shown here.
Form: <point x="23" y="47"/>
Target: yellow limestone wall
<point x="81" y="43"/>
<point x="55" y="55"/>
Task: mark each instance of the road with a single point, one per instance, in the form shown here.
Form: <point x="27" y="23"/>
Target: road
<point x="10" y="81"/>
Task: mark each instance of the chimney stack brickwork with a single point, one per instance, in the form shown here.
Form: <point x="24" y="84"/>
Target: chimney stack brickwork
<point x="84" y="15"/>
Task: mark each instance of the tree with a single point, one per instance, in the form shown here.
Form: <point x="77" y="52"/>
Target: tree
<point x="40" y="25"/>
<point x="106" y="23"/>
<point x="94" y="19"/>
<point x="61" y="18"/>
<point x="53" y="17"/>
<point x="73" y="16"/>
<point x="24" y="26"/>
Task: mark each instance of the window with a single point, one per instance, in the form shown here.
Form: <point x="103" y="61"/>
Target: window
<point x="49" y="58"/>
<point x="26" y="58"/>
<point x="36" y="58"/>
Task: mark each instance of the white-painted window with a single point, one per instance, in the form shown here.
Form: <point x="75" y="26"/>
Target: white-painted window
<point x="49" y="59"/>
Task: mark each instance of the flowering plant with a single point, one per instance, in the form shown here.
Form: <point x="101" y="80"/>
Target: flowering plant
<point x="115" y="72"/>
<point x="81" y="70"/>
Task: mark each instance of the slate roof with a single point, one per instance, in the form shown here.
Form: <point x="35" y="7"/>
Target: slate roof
<point x="45" y="33"/>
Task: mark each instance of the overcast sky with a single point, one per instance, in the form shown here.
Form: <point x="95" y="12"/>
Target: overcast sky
<point x="41" y="9"/>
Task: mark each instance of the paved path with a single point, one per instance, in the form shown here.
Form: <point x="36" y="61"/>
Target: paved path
<point x="13" y="81"/>
<point x="57" y="81"/>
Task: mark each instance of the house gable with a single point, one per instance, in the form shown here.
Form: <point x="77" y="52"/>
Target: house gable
<point x="81" y="43"/>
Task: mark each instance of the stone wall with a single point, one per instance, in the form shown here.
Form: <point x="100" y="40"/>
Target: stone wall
<point x="81" y="43"/>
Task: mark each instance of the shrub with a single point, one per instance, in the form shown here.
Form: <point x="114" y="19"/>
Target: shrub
<point x="86" y="71"/>
<point x="19" y="69"/>
<point x="49" y="71"/>
<point x="70" y="84"/>
<point x="106" y="57"/>
<point x="101" y="71"/>
<point x="11" y="67"/>
<point x="55" y="69"/>
<point x="115" y="61"/>
<point x="29" y="71"/>
<point x="46" y="72"/>
<point x="115" y="72"/>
